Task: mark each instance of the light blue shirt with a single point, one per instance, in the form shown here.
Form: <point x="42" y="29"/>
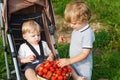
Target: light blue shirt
<point x="80" y="39"/>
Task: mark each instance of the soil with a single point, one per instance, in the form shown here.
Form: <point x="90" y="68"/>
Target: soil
<point x="62" y="28"/>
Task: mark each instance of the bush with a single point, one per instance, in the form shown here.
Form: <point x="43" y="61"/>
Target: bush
<point x="59" y="6"/>
<point x="102" y="39"/>
<point x="63" y="50"/>
<point x="3" y="73"/>
<point x="106" y="65"/>
<point x="2" y="60"/>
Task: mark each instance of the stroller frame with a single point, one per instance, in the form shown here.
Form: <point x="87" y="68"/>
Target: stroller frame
<point x="48" y="18"/>
<point x="4" y="40"/>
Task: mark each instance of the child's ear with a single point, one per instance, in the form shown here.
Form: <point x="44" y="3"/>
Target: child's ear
<point x="24" y="36"/>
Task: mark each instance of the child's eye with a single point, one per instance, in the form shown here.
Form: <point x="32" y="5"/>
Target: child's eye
<point x="73" y="23"/>
<point x="33" y="35"/>
<point x="38" y="35"/>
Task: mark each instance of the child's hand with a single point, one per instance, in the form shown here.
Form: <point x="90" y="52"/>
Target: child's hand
<point x="63" y="62"/>
<point x="31" y="58"/>
<point x="50" y="57"/>
<point x="61" y="39"/>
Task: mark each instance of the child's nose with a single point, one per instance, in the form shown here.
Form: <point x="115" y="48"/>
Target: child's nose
<point x="71" y="25"/>
<point x="36" y="37"/>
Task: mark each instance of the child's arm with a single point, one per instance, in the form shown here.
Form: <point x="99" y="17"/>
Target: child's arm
<point x="67" y="61"/>
<point x="50" y="57"/>
<point x="83" y="55"/>
<point x="30" y="58"/>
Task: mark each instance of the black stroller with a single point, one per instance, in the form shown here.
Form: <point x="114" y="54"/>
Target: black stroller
<point x="13" y="13"/>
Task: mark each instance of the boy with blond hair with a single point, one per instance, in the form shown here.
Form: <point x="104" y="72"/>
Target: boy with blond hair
<point x="31" y="33"/>
<point x="77" y="14"/>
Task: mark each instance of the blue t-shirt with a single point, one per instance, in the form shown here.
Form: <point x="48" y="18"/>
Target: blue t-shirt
<point x="80" y="39"/>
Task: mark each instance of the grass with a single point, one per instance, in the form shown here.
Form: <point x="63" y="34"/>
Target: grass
<point x="105" y="11"/>
<point x="102" y="38"/>
<point x="2" y="60"/>
<point x="106" y="66"/>
<point x="59" y="6"/>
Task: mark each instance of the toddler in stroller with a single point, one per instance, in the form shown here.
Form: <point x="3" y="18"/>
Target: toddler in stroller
<point x="14" y="13"/>
<point x="31" y="34"/>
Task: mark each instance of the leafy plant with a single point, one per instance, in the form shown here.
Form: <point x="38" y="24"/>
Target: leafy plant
<point x="2" y="62"/>
<point x="102" y="39"/>
<point x="63" y="50"/>
<point x="59" y="6"/>
<point x="3" y="73"/>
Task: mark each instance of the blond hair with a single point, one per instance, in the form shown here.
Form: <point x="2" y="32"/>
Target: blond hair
<point x="77" y="12"/>
<point x="30" y="26"/>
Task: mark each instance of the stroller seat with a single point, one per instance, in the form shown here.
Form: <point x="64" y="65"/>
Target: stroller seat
<point x="42" y="14"/>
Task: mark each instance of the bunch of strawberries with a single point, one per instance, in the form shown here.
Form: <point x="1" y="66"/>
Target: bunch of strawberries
<point x="51" y="71"/>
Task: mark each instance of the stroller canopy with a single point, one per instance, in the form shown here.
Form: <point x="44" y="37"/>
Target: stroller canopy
<point x="13" y="6"/>
<point x="16" y="5"/>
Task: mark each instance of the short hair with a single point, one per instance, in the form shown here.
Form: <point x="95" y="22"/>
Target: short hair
<point x="77" y="12"/>
<point x="30" y="26"/>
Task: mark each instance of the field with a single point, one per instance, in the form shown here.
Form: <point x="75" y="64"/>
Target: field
<point x="105" y="22"/>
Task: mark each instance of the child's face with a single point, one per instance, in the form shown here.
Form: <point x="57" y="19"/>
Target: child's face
<point x="75" y="26"/>
<point x="32" y="38"/>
